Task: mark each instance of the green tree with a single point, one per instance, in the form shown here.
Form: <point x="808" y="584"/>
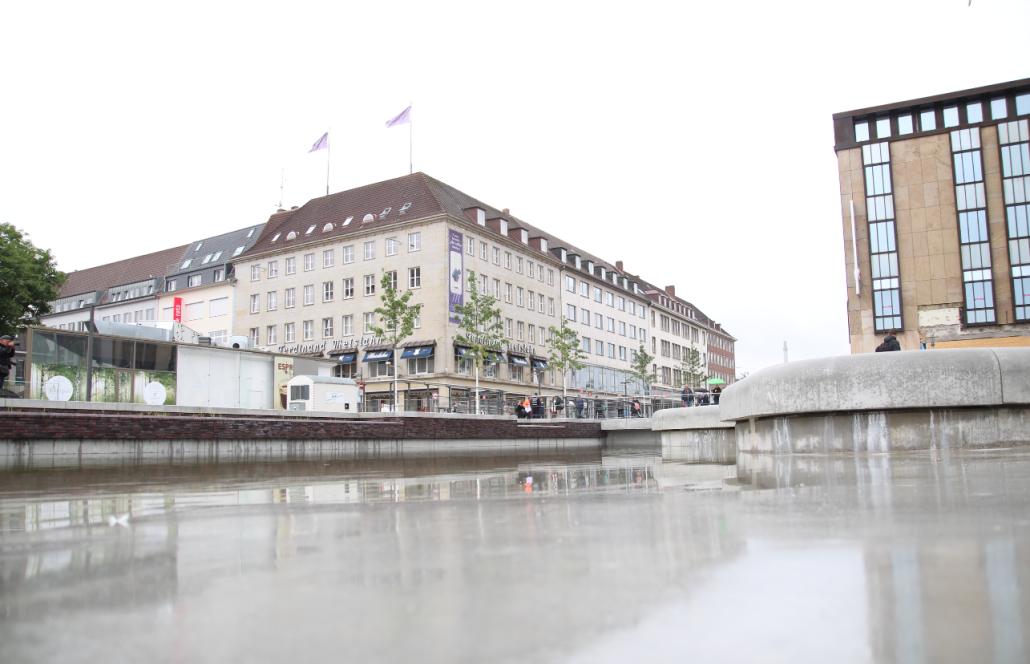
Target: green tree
<point x="640" y="367"/>
<point x="397" y="318"/>
<point x="29" y="280"/>
<point x="566" y="354"/>
<point x="692" y="369"/>
<point x="480" y="328"/>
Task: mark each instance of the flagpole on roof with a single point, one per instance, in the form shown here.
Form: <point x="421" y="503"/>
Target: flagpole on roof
<point x="328" y="157"/>
<point x="411" y="130"/>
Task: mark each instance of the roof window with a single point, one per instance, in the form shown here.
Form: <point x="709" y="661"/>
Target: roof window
<point x="276" y="237"/>
<point x="218" y="254"/>
<point x="307" y="232"/>
<point x="207" y="259"/>
<point x="346" y="222"/>
<point x="405" y="208"/>
<point x="186" y="263"/>
<point x="199" y="245"/>
<point x="250" y="233"/>
<point x="292" y="235"/>
<point x="239" y="250"/>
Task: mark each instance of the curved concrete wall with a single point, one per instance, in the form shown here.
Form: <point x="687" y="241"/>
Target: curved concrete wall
<point x="698" y="417"/>
<point x="884" y="381"/>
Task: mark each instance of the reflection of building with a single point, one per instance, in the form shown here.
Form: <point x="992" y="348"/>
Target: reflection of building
<point x="312" y="282"/>
<point x="934" y="200"/>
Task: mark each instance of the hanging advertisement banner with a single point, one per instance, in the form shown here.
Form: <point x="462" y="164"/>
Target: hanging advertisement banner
<point x="177" y="310"/>
<point x="455" y="291"/>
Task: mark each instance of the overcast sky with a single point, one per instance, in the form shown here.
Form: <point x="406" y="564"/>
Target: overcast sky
<point x="693" y="141"/>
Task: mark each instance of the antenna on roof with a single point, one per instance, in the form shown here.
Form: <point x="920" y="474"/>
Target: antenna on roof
<point x="282" y="184"/>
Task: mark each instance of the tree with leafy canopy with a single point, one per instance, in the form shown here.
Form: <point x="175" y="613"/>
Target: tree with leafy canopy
<point x="480" y="325"/>
<point x="640" y="367"/>
<point x="692" y="369"/>
<point x="29" y="280"/>
<point x="566" y="354"/>
<point x="397" y="319"/>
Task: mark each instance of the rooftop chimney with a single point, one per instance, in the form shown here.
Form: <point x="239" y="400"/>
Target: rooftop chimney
<point x="506" y="212"/>
<point x="671" y="290"/>
<point x="618" y="266"/>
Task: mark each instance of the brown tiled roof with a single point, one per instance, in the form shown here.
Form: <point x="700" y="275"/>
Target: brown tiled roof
<point x="121" y="272"/>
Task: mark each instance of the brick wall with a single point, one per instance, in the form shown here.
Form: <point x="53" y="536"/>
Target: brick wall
<point x="103" y="425"/>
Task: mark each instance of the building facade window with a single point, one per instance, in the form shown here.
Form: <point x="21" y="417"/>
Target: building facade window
<point x="348" y="254"/>
<point x="883" y="246"/>
<point x="348" y="288"/>
<point x="974" y="242"/>
<point x="271" y="337"/>
<point x="273" y="269"/>
<point x="254" y="335"/>
<point x="1015" y="172"/>
<point x="192" y="280"/>
<point x="347" y="325"/>
<point x="255" y="303"/>
<point x="370" y="284"/>
<point x="414" y="241"/>
<point x="308" y="329"/>
<point x="327" y="291"/>
<point x="309" y="295"/>
<point x="255" y="272"/>
<point x="391" y="246"/>
<point x="309" y="262"/>
<point x="370" y="250"/>
<point x="415" y="277"/>
<point x="327" y="328"/>
<point x="289" y="333"/>
<point x="369" y="321"/>
<point x="291" y="265"/>
<point x="272" y="303"/>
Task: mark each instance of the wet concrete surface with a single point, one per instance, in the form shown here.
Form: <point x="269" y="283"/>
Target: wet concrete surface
<point x="582" y="556"/>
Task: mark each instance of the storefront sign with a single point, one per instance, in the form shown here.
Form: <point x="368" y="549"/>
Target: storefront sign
<point x="283" y="374"/>
<point x="455" y="290"/>
<point x="323" y="346"/>
<point x="526" y="349"/>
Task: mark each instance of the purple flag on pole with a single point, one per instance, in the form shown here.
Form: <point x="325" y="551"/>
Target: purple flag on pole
<point x="321" y="144"/>
<point x="404" y="117"/>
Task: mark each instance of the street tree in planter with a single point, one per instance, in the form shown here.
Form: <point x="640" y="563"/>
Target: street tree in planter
<point x="566" y="354"/>
<point x="640" y="368"/>
<point x="480" y="327"/>
<point x="397" y="319"/>
<point x="692" y="369"/>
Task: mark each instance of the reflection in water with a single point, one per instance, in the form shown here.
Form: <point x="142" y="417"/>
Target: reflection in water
<point x="563" y="556"/>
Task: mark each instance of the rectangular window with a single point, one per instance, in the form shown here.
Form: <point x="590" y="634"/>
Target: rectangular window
<point x="519" y="296"/>
<point x="369" y="321"/>
<point x="255" y="303"/>
<point x="584" y="289"/>
<point x="883" y="253"/>
<point x="289" y="333"/>
<point x="414" y="242"/>
<point x="309" y="262"/>
<point x="291" y="298"/>
<point x="391" y="246"/>
<point x="518" y="264"/>
<point x="611" y="351"/>
<point x="584" y="317"/>
<point x="255" y="336"/>
<point x="531" y="269"/>
<point x="883" y="128"/>
<point x="219" y="275"/>
<point x="470" y="245"/>
<point x="570" y="312"/>
<point x="861" y="132"/>
<point x="392" y="279"/>
<point x="599" y="347"/>
<point x="273" y="301"/>
<point x="570" y="284"/>
<point x="328" y="258"/>
<point x="974" y="244"/>
<point x="532" y="333"/>
<point x="540" y="302"/>
<point x="216" y="307"/>
<point x="291" y="265"/>
<point x="271" y="336"/>
<point x="927" y="121"/>
<point x="348" y="254"/>
<point x="550" y="277"/>
<point x="327" y="291"/>
<point x="482" y="250"/>
<point x="414" y="277"/>
<point x="309" y="294"/>
<point x="327" y="328"/>
<point x="370" y="250"/>
<point x="348" y="288"/>
<point x="599" y="321"/>
<point x="905" y="125"/>
<point x="497" y="255"/>
<point x="531" y="300"/>
<point x="508" y="328"/>
<point x="273" y="269"/>
<point x="521" y="327"/>
<point x="370" y="284"/>
<point x="497" y="289"/>
<point x="1014" y="145"/>
<point x="974" y="113"/>
<point x="347" y="325"/>
<point x="192" y="280"/>
<point x="255" y="272"/>
<point x="308" y="329"/>
<point x="951" y="116"/>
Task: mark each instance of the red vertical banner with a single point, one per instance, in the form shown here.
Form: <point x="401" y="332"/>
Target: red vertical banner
<point x="177" y="310"/>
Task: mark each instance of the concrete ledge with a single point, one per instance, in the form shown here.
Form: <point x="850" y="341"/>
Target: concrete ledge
<point x="698" y="417"/>
<point x="627" y="424"/>
<point x="957" y="378"/>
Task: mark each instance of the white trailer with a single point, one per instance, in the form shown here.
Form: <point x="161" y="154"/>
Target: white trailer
<point x="322" y="393"/>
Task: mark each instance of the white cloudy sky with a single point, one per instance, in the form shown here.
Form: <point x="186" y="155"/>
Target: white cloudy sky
<point x="692" y="140"/>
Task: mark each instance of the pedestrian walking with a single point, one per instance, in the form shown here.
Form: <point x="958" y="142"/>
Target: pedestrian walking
<point x="6" y="353"/>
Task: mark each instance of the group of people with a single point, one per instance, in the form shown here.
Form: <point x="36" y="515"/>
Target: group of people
<point x="700" y="397"/>
<point x="535" y="407"/>
<point x="6" y="356"/>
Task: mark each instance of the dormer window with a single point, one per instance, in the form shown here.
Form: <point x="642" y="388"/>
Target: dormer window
<point x="564" y="256"/>
<point x="480" y="216"/>
<point x="292" y="235"/>
<point x="239" y="250"/>
<point x="404" y="208"/>
<point x="579" y="263"/>
<point x="543" y="244"/>
<point x="328" y="227"/>
<point x="590" y="267"/>
<point x="504" y="226"/>
<point x="525" y="236"/>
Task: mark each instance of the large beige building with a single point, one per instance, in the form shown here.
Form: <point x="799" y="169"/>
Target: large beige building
<point x="312" y="282"/>
<point x="934" y="201"/>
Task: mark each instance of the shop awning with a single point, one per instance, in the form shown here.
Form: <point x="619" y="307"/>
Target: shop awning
<point x="493" y="357"/>
<point x="417" y="351"/>
<point x="461" y="351"/>
<point x="539" y="364"/>
<point x="378" y="355"/>
<point x="347" y="358"/>
<point x="518" y="360"/>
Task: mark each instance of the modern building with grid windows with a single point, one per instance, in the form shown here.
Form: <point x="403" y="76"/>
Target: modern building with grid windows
<point x="936" y="219"/>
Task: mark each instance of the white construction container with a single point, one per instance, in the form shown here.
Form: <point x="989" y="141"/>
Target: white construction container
<point x="322" y="393"/>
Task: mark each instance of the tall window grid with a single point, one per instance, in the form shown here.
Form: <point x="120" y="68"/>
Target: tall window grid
<point x="1015" y="172"/>
<point x="883" y="242"/>
<point x="974" y="242"/>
